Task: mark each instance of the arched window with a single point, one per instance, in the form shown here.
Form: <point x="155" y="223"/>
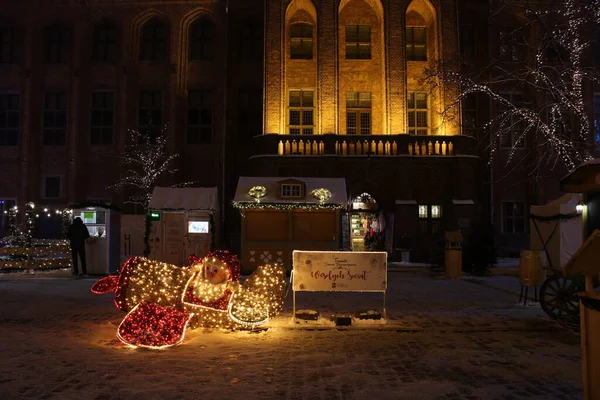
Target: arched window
<point x="105" y="43"/>
<point x="301" y="42"/>
<point x="201" y="40"/>
<point x="153" y="41"/>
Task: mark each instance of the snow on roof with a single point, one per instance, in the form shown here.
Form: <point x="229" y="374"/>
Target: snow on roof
<point x="187" y="198"/>
<point x="337" y="187"/>
<point x="583" y="165"/>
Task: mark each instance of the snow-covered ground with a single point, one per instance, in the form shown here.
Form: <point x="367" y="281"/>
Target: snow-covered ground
<point x="444" y="339"/>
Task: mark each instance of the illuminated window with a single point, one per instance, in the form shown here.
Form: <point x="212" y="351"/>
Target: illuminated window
<point x="251" y="41"/>
<point x="511" y="125"/>
<point x="416" y="43"/>
<point x="301" y="112"/>
<point x="200" y="109"/>
<point x="105" y="43"/>
<point x="102" y="118"/>
<point x="150" y="114"/>
<point x="201" y="40"/>
<point x="10" y="117"/>
<point x="358" y="113"/>
<point x="301" y="42"/>
<point x="58" y="44"/>
<point x="430" y="219"/>
<point x="291" y="190"/>
<point x="358" y="42"/>
<point x="8" y="45"/>
<point x="511" y="44"/>
<point x="418" y="113"/>
<point x="55" y="119"/>
<point x="153" y="41"/>
<point x="513" y="217"/>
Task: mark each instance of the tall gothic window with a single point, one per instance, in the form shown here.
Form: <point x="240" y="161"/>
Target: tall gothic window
<point x="58" y="44"/>
<point x="153" y="41"/>
<point x="105" y="43"/>
<point x="301" y="42"/>
<point x="301" y="112"/>
<point x="201" y="40"/>
<point x="358" y="42"/>
<point x="358" y="113"/>
<point x="416" y="43"/>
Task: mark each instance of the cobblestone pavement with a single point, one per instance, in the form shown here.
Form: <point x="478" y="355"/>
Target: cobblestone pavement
<point x="445" y="339"/>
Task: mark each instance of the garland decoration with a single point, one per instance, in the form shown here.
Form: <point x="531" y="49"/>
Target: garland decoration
<point x="321" y="194"/>
<point x="557" y="217"/>
<point x="286" y="206"/>
<point x="258" y="192"/>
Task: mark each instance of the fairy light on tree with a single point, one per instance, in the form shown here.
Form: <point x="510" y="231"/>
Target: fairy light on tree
<point x="554" y="70"/>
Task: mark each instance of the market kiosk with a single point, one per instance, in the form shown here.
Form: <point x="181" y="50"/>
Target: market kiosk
<point x="102" y="249"/>
<point x="184" y="221"/>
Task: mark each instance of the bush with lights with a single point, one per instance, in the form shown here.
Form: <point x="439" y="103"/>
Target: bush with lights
<point x="162" y="300"/>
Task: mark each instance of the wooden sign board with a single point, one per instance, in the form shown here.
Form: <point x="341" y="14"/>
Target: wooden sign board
<point x="339" y="271"/>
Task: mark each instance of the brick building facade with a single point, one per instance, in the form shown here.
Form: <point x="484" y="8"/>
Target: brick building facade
<point x="265" y="88"/>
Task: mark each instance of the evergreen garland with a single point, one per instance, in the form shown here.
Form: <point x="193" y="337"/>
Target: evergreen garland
<point x="557" y="217"/>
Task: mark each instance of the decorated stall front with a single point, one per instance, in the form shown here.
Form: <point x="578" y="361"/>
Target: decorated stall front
<point x="184" y="221"/>
<point x="280" y="215"/>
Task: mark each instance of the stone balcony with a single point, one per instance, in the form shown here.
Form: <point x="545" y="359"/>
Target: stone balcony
<point x="364" y="145"/>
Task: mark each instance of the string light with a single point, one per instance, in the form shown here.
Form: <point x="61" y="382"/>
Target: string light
<point x="286" y="206"/>
<point x="258" y="192"/>
<point x="162" y="300"/>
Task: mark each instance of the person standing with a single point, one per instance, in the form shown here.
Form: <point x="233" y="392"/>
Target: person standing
<point x="77" y="235"/>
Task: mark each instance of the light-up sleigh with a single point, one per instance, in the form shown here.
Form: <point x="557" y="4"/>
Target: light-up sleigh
<point x="163" y="300"/>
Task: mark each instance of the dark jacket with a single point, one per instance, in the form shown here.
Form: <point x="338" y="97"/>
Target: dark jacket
<point x="77" y="234"/>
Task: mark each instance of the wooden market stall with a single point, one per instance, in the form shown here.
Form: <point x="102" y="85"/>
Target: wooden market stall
<point x="280" y="215"/>
<point x="184" y="221"/>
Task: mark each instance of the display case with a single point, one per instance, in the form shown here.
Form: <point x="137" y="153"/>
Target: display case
<point x="357" y="232"/>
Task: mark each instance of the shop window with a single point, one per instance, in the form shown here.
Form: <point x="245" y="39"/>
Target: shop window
<point x="512" y="42"/>
<point x="104" y="47"/>
<point x="430" y="217"/>
<point x="513" y="217"/>
<point x="52" y="187"/>
<point x="418" y="113"/>
<point x="58" y="44"/>
<point x="102" y="118"/>
<point x="153" y="41"/>
<point x="249" y="114"/>
<point x="150" y="114"/>
<point x="200" y="128"/>
<point x="251" y="40"/>
<point x="358" y="113"/>
<point x="8" y="45"/>
<point x="301" y="112"/>
<point x="201" y="40"/>
<point x="55" y="119"/>
<point x="358" y="42"/>
<point x="301" y="42"/>
<point x="512" y="126"/>
<point x="10" y="113"/>
<point x="416" y="43"/>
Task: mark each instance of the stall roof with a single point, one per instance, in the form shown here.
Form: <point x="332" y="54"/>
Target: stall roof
<point x="187" y="198"/>
<point x="585" y="260"/>
<point x="337" y="187"/>
<point x="584" y="178"/>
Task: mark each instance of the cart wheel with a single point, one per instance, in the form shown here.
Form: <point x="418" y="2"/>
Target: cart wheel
<point x="558" y="297"/>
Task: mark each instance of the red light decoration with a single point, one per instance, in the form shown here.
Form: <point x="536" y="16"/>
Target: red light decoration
<point x="163" y="299"/>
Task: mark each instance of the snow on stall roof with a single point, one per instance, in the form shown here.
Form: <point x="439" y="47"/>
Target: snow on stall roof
<point x="337" y="187"/>
<point x="593" y="161"/>
<point x="187" y="198"/>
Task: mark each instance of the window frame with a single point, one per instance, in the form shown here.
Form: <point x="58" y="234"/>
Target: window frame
<point x="429" y="223"/>
<point x="513" y="217"/>
<point x="103" y="111"/>
<point x="6" y="130"/>
<point x="514" y="133"/>
<point x="357" y="43"/>
<point x="359" y="107"/>
<point x="301" y="41"/>
<point x="148" y="129"/>
<point x="44" y="194"/>
<point x="291" y="189"/>
<point x="200" y="109"/>
<point x="54" y="129"/>
<point x="418" y="130"/>
<point x="153" y="48"/>
<point x="8" y="44"/>
<point x="512" y="38"/>
<point x="59" y="38"/>
<point x="201" y="40"/>
<point x="251" y="40"/>
<point x="303" y="129"/>
<point x="412" y="44"/>
<point x="101" y="39"/>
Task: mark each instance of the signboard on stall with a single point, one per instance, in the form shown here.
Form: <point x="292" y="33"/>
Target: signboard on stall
<point x="339" y="271"/>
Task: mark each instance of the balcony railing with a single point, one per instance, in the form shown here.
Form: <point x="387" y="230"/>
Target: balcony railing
<point x="369" y="145"/>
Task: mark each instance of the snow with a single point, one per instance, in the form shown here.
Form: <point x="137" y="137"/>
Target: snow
<point x="59" y="342"/>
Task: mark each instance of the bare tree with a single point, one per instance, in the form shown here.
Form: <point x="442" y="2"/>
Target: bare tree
<point x="144" y="163"/>
<point x="549" y="68"/>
